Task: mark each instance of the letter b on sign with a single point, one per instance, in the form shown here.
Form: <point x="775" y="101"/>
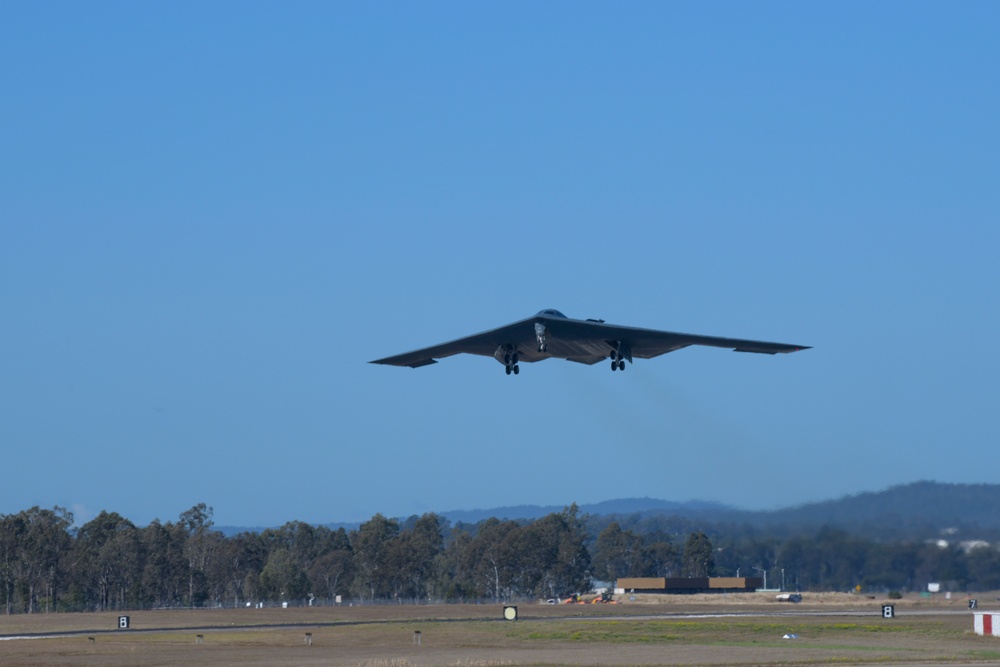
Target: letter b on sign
<point x="888" y="611"/>
<point x="123" y="622"/>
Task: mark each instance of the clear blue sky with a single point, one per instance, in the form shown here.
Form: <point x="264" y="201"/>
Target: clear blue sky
<point x="215" y="214"/>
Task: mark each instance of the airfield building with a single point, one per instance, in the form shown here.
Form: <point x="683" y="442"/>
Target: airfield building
<point x="682" y="585"/>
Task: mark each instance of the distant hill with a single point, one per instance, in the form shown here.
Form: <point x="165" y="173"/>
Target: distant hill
<point x="607" y="507"/>
<point x="932" y="505"/>
<point x="916" y="507"/>
<point x="530" y="512"/>
<point x="919" y="510"/>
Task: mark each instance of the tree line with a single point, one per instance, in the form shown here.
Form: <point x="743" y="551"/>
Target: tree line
<point x="109" y="563"/>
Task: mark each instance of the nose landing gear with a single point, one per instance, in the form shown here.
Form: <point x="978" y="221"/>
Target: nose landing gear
<point x="540" y="337"/>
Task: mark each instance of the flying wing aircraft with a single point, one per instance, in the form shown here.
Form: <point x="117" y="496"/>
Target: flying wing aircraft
<point x="550" y="334"/>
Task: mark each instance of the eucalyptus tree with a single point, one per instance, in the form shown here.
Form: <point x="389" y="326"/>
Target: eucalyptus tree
<point x="199" y="547"/>
<point x="983" y="567"/>
<point x="414" y="556"/>
<point x="553" y="558"/>
<point x="699" y="556"/>
<point x="165" y="571"/>
<point x="619" y="553"/>
<point x="661" y="558"/>
<point x="107" y="559"/>
<point x="490" y="560"/>
<point x="331" y="573"/>
<point x="282" y="578"/>
<point x="13" y="528"/>
<point x="47" y="544"/>
<point x="305" y="542"/>
<point x="454" y="580"/>
<point x="889" y="567"/>
<point x="370" y="545"/>
<point x="944" y="564"/>
<point x="572" y="569"/>
<point x="234" y="572"/>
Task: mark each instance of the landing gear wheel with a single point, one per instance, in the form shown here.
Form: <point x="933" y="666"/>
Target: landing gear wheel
<point x="507" y="368"/>
<point x="517" y="369"/>
<point x="614" y="365"/>
<point x="621" y="364"/>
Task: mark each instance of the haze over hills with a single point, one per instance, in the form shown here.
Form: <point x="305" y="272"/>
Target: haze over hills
<point x="606" y="507"/>
<point x="931" y="502"/>
<point x="920" y="510"/>
<point x="916" y="511"/>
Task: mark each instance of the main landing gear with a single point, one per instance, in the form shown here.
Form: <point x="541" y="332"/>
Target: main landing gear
<point x="617" y="363"/>
<point x="619" y="353"/>
<point x="510" y="362"/>
<point x="507" y="355"/>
